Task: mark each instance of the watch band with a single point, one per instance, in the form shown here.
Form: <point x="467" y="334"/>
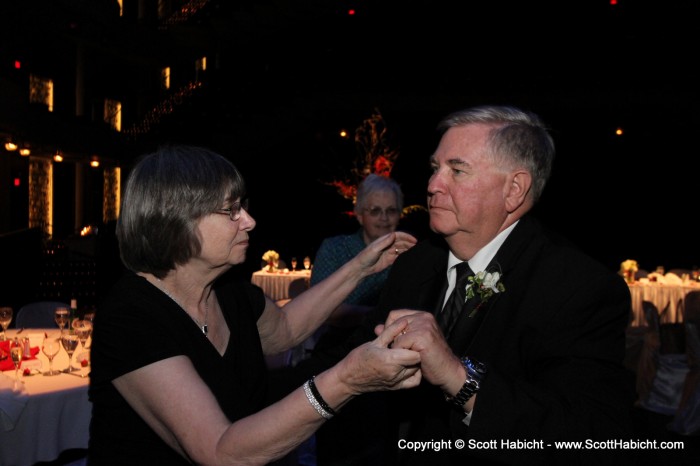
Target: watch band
<point x="476" y="371"/>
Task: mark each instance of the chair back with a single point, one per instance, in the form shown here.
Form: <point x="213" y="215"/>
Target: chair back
<point x="648" y="358"/>
<point x="692" y="307"/>
<point x="692" y="331"/>
<point x="298" y="286"/>
<point x="651" y="315"/>
<point x="663" y="365"/>
<point x="686" y="420"/>
<point x="39" y="314"/>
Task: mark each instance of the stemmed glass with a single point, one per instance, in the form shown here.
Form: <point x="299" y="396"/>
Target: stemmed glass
<point x="61" y="315"/>
<point x="294" y="264"/>
<point x="16" y="352"/>
<point x="50" y="347"/>
<point x="82" y="328"/>
<point x="307" y="262"/>
<point x="5" y="319"/>
<point x="70" y="344"/>
<point x="89" y="316"/>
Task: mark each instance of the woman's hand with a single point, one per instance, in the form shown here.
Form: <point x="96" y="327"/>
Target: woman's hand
<point x="383" y="251"/>
<point x="421" y="333"/>
<point x="374" y="366"/>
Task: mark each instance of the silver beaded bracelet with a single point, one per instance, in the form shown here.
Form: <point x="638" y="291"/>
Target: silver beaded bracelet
<point x="314" y="402"/>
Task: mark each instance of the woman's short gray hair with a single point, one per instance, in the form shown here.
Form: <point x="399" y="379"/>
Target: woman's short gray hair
<point x="166" y="194"/>
<point x="376" y="183"/>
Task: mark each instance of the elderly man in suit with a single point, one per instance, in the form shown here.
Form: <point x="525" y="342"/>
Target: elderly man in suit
<point x="521" y="335"/>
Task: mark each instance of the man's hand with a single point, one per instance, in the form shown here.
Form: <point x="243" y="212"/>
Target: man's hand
<point x="420" y="332"/>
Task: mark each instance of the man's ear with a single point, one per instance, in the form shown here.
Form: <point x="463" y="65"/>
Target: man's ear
<point x="517" y="188"/>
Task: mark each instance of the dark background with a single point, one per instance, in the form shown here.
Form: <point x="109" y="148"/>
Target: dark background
<point x="286" y="76"/>
<point x="587" y="67"/>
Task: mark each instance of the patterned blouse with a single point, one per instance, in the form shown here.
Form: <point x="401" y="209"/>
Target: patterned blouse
<point x="336" y="251"/>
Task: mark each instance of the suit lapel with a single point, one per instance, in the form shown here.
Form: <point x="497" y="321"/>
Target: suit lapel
<point x="468" y="325"/>
<point x="484" y="329"/>
<point x="430" y="292"/>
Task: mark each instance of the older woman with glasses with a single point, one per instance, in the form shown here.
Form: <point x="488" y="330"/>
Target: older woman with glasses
<point x="378" y="210"/>
<point x="178" y="372"/>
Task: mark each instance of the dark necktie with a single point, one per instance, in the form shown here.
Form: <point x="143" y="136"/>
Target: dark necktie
<point x="455" y="303"/>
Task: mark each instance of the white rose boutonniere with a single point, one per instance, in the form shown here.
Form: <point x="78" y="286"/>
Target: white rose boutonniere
<point x="484" y="284"/>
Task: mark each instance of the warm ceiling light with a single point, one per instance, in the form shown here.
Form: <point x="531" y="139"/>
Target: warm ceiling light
<point x="94" y="163"/>
<point x="24" y="152"/>
<point x="57" y="157"/>
<point x="10" y="146"/>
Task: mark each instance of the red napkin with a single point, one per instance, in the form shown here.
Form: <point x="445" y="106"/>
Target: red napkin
<point x="6" y="364"/>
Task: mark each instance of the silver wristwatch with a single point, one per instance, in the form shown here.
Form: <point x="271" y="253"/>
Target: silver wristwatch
<point x="476" y="371"/>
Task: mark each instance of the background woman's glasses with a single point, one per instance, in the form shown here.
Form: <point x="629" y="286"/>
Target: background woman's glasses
<point x="378" y="211"/>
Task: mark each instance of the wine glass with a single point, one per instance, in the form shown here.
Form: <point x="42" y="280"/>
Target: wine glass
<point x="50" y="347"/>
<point x="307" y="262"/>
<point x="294" y="264"/>
<point x="5" y="319"/>
<point x="70" y="344"/>
<point x="16" y="352"/>
<point x="82" y="328"/>
<point x="61" y="315"/>
<point x="90" y="315"/>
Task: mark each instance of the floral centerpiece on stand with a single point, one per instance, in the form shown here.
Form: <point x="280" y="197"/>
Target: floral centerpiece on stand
<point x="374" y="155"/>
<point x="272" y="258"/>
<point x="628" y="269"/>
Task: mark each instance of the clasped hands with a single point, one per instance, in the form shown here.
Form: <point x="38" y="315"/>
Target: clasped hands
<point x="421" y="333"/>
<point x="409" y="346"/>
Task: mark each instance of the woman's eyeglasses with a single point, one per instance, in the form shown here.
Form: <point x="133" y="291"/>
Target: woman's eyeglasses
<point x="234" y="212"/>
<point x="378" y="211"/>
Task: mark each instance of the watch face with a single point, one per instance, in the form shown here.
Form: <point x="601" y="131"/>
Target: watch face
<point x="478" y="366"/>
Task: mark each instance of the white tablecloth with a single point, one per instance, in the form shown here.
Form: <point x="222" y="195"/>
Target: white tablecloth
<point x="661" y="295"/>
<point x="276" y="285"/>
<point x="56" y="416"/>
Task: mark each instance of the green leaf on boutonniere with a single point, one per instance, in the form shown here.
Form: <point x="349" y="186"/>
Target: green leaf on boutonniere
<point x="484" y="285"/>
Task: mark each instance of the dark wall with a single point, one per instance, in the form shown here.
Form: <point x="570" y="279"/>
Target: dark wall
<point x="19" y="271"/>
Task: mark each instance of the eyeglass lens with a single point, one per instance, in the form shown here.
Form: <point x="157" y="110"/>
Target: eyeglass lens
<point x="235" y="210"/>
<point x="377" y="211"/>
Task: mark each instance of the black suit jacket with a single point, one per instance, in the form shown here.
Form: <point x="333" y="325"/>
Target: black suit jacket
<point x="554" y="343"/>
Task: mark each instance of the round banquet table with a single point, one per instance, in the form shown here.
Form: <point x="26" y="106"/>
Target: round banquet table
<point x="276" y="285"/>
<point x="57" y="413"/>
<point x="662" y="296"/>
